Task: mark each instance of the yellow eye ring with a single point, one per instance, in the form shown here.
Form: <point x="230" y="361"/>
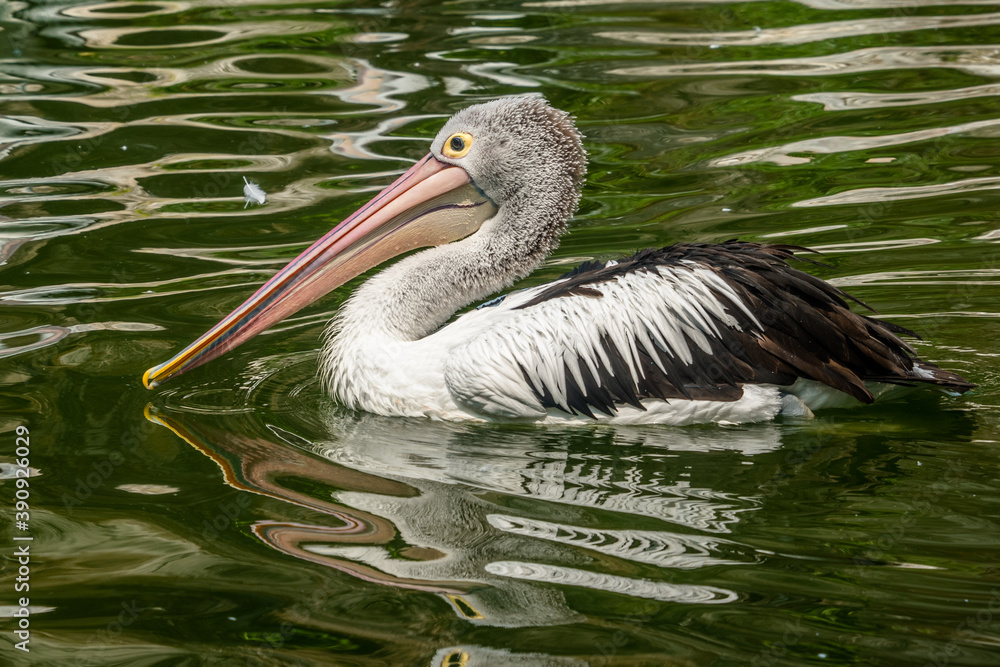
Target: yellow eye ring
<point x="457" y="145"/>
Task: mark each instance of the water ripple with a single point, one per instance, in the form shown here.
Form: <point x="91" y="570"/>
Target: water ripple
<point x="982" y="60"/>
<point x="840" y="101"/>
<point x="11" y="611"/>
<point x="815" y="4"/>
<point x="655" y="590"/>
<point x="782" y="155"/>
<point x="29" y="340"/>
<point x="901" y="193"/>
<point x="873" y="246"/>
<point x="254" y="255"/>
<point x="10" y="471"/>
<point x="802" y="34"/>
<point x="127" y="10"/>
<point x="190" y="36"/>
<point x="642" y="546"/>
<point x="109" y="292"/>
<point x="980" y="276"/>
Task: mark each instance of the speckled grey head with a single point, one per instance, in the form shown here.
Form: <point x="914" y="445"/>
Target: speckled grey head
<point x="513" y="145"/>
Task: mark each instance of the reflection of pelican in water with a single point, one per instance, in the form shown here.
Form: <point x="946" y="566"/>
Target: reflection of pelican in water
<point x="415" y="507"/>
<point x="522" y="526"/>
<point x="688" y="333"/>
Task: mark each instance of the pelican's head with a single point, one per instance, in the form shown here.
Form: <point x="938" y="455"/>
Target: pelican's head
<point x="509" y="152"/>
<point x="513" y="145"/>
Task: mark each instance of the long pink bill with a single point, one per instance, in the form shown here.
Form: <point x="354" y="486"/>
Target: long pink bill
<point x="431" y="204"/>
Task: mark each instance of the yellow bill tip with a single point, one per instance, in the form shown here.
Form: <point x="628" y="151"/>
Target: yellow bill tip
<point x="148" y="380"/>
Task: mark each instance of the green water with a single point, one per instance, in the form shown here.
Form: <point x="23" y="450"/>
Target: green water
<point x="248" y="520"/>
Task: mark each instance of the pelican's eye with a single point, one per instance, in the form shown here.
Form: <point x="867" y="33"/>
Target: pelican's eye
<point x="457" y="145"/>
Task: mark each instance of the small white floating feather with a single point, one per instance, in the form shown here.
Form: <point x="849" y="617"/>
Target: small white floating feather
<point x="252" y="192"/>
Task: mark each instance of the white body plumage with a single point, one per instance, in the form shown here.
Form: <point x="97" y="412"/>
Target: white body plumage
<point x="471" y="368"/>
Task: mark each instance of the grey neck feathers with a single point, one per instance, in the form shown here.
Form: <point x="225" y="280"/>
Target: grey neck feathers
<point x="418" y="294"/>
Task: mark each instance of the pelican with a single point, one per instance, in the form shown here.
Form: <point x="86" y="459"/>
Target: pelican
<point x="689" y="333"/>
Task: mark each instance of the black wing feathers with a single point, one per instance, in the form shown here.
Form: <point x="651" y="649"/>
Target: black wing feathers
<point x="804" y="329"/>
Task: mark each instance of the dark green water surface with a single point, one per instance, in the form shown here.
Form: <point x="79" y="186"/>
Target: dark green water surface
<point x="236" y="516"/>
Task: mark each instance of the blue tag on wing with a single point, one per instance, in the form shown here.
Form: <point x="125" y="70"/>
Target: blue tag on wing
<point x="491" y="302"/>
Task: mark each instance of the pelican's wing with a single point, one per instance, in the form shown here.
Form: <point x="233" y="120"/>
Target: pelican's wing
<point x="691" y="321"/>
